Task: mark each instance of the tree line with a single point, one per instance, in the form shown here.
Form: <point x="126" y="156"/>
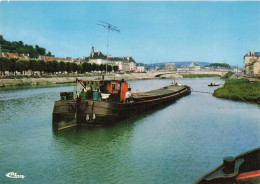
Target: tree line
<point x="50" y="67"/>
<point x="224" y="65"/>
<point x="21" y="48"/>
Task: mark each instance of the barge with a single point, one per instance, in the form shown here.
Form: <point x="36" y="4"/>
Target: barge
<point x="104" y="102"/>
<point x="242" y="169"/>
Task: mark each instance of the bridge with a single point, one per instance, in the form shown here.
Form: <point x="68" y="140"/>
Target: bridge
<point x="177" y="73"/>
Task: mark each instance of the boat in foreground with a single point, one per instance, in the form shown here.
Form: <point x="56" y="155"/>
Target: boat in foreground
<point x="103" y="102"/>
<point x="242" y="169"/>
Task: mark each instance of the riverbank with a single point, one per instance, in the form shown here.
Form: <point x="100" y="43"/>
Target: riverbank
<point x="60" y="79"/>
<point x="199" y="75"/>
<point x="240" y="90"/>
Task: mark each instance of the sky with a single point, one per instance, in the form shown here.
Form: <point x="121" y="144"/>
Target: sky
<point x="150" y="31"/>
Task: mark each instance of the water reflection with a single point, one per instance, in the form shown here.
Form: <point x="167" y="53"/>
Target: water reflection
<point x="177" y="143"/>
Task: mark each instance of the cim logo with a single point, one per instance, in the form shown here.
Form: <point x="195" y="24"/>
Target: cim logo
<point x="14" y="175"/>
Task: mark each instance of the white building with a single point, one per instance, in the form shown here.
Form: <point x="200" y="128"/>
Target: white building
<point x="251" y="65"/>
<point x="123" y="63"/>
<point x="194" y="66"/>
<point x="140" y="69"/>
<point x="170" y="67"/>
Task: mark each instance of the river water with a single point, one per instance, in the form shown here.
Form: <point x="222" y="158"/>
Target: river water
<point x="175" y="144"/>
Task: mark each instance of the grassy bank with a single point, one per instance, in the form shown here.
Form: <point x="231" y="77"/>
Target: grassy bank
<point x="199" y="75"/>
<point x="227" y="75"/>
<point x="239" y="89"/>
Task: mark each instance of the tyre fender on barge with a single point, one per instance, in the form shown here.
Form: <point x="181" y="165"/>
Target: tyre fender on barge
<point x="242" y="169"/>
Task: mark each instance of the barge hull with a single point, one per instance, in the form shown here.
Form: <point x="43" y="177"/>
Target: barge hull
<point x="95" y="113"/>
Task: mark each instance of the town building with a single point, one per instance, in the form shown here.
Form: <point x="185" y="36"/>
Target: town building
<point x="51" y="58"/>
<point x="140" y="69"/>
<point x="123" y="63"/>
<point x="251" y="65"/>
<point x="170" y="67"/>
<point x="194" y="66"/>
<point x="15" y="55"/>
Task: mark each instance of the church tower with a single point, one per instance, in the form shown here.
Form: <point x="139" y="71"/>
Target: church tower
<point x="92" y="51"/>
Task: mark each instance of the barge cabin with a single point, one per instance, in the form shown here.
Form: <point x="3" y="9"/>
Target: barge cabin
<point x="104" y="102"/>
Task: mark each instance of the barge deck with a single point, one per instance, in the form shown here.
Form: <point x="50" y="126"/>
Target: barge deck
<point x="104" y="103"/>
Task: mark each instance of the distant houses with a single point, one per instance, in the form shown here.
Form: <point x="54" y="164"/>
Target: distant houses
<point x="251" y="65"/>
<point x="170" y="67"/>
<point x="140" y="69"/>
<point x="50" y="58"/>
<point x="14" y="55"/>
<point x="124" y="64"/>
<point x="27" y="57"/>
<point x="194" y="66"/>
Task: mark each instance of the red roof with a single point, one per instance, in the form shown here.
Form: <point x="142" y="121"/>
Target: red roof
<point x="11" y="55"/>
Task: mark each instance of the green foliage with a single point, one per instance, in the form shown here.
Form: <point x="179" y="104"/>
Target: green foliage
<point x="86" y="67"/>
<point x="80" y="68"/>
<point x="62" y="66"/>
<point x="239" y="89"/>
<point x="115" y="68"/>
<point x="102" y="67"/>
<point x="74" y="67"/>
<point x="34" y="65"/>
<point x="68" y="67"/>
<point x="94" y="67"/>
<point x="5" y="64"/>
<point x="199" y="75"/>
<point x="22" y="65"/>
<point x="40" y="50"/>
<point x="41" y="66"/>
<point x="21" y="48"/>
<point x="52" y="66"/>
<point x="224" y="65"/>
<point x="227" y="75"/>
<point x="109" y="68"/>
<point x="13" y="65"/>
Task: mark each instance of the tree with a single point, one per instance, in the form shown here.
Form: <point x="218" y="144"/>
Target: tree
<point x="52" y="66"/>
<point x="102" y="67"/>
<point x="56" y="66"/>
<point x="41" y="66"/>
<point x="225" y="65"/>
<point x="5" y="64"/>
<point x="94" y="67"/>
<point x="86" y="67"/>
<point x="21" y="48"/>
<point x="13" y="65"/>
<point x="40" y="50"/>
<point x="23" y="65"/>
<point x="109" y="68"/>
<point x="80" y="68"/>
<point x="74" y="67"/>
<point x="1" y="39"/>
<point x="34" y="65"/>
<point x="115" y="68"/>
<point x="68" y="67"/>
<point x="32" y="52"/>
<point x="62" y="67"/>
<point x="49" y="54"/>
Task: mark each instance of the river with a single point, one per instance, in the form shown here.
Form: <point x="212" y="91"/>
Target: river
<point x="175" y="144"/>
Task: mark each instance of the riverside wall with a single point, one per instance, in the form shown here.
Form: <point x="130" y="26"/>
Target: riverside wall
<point x="130" y="76"/>
<point x="59" y="80"/>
